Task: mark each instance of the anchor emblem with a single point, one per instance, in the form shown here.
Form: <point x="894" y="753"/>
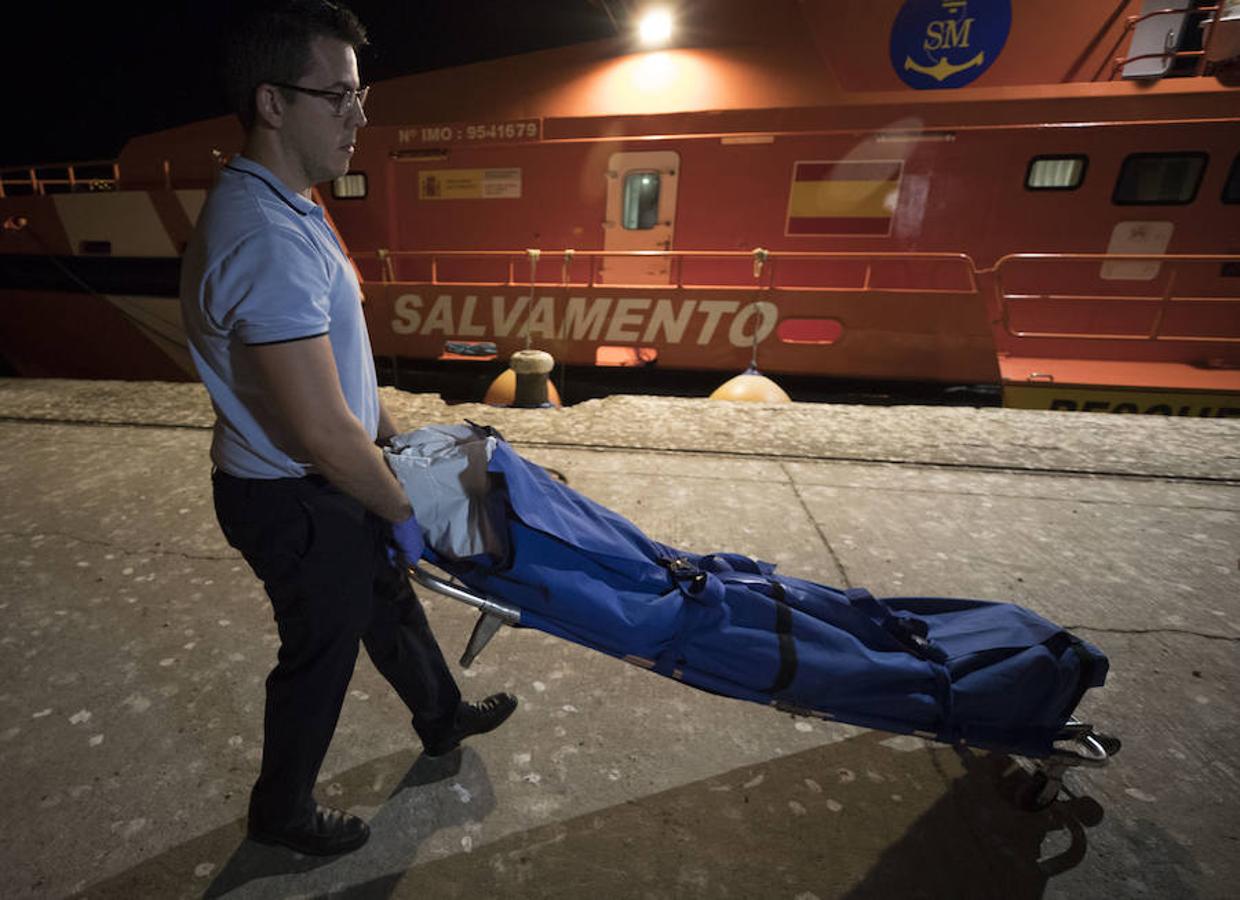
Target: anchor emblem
<point x="943" y="69"/>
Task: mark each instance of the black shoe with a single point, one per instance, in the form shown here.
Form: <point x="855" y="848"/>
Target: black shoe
<point x="329" y="831"/>
<point x="473" y="718"/>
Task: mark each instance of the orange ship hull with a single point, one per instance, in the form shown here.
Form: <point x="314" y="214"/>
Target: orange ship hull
<point x="805" y="187"/>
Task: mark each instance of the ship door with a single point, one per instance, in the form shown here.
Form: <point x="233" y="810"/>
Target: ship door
<point x="641" y="215"/>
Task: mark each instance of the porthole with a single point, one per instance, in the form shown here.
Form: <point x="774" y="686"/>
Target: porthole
<point x="1056" y="173"/>
<point x="350" y="187"/>
<point x="1231" y="190"/>
<point x="1159" y="179"/>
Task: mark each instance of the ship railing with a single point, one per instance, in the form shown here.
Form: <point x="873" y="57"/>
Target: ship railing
<point x="64" y="178"/>
<point x="1160" y="304"/>
<point x="867" y="271"/>
<point x="1201" y="56"/>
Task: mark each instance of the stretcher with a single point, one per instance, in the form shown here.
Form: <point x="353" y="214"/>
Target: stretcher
<point x="528" y="551"/>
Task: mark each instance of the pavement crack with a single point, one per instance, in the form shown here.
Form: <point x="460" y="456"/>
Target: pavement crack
<point x="909" y="461"/>
<point x="822" y="535"/>
<point x="1184" y="631"/>
<point x="119" y="547"/>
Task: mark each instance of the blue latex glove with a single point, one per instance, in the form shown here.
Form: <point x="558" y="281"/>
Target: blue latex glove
<point x="407" y="544"/>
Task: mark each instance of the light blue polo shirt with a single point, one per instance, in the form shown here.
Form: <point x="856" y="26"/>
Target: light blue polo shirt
<point x="264" y="267"/>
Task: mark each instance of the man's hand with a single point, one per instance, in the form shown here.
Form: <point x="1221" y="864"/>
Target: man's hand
<point x="407" y="543"/>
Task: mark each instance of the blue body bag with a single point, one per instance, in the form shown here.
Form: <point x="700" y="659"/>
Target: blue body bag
<point x="987" y="674"/>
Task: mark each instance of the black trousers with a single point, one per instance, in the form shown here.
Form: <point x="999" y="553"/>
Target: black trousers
<point x="321" y="556"/>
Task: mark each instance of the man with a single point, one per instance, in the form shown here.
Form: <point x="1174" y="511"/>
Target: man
<point x="273" y="314"/>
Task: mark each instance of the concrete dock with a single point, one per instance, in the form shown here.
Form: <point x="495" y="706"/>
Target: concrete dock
<point x="134" y="643"/>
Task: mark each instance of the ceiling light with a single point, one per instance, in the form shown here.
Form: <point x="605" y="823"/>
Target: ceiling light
<point x="655" y="28"/>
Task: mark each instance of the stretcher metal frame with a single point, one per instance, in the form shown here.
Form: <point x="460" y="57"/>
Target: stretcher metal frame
<point x="1078" y="744"/>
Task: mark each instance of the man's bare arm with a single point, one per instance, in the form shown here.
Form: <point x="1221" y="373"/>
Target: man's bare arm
<point x="301" y="378"/>
<point x="387" y="426"/>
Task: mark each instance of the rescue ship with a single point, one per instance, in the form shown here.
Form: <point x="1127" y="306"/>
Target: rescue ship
<point x="1039" y="195"/>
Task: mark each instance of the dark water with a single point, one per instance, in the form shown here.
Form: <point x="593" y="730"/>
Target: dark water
<point x="467" y="382"/>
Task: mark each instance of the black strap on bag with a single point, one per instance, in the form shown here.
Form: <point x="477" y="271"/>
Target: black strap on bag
<point x="910" y="631"/>
<point x="787" y="645"/>
<point x="727" y="568"/>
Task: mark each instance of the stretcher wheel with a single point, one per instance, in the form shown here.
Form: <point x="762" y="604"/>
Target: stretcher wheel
<point x="1110" y="743"/>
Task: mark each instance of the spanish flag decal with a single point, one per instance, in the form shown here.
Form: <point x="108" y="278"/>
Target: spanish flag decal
<point x="843" y="198"/>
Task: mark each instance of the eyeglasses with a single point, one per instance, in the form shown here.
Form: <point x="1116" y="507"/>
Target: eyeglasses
<point x="342" y="101"/>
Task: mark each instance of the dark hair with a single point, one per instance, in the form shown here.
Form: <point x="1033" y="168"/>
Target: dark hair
<point x="272" y="43"/>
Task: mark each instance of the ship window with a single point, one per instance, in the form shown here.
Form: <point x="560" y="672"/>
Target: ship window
<point x="350" y="187"/>
<point x="1231" y="190"/>
<point x="641" y="200"/>
<point x="1056" y="173"/>
<point x="1162" y="179"/>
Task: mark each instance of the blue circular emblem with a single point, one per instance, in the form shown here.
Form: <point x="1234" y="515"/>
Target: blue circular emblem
<point x="948" y="43"/>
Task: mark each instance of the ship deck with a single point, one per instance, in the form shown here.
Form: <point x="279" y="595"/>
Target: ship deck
<point x="136" y="643"/>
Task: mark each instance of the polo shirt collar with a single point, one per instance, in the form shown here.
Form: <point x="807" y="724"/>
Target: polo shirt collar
<point x="299" y="203"/>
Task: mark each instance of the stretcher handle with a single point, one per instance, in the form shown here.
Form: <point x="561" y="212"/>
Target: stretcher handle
<point x="507" y="614"/>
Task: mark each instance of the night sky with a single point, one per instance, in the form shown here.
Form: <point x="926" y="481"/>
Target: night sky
<point x="85" y="78"/>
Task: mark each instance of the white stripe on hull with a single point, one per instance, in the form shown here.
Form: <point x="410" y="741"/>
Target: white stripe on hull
<point x="126" y="219"/>
<point x="159" y="319"/>
<point x="191" y="202"/>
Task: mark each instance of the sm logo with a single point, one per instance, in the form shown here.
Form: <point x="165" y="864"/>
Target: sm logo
<point x="948" y="43"/>
<point x="947" y="34"/>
